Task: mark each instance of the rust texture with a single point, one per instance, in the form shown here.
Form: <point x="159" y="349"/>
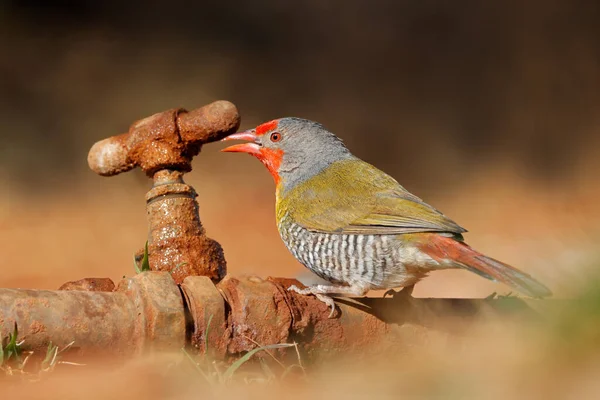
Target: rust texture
<point x="167" y="140"/>
<point x="93" y="320"/>
<point x="163" y="146"/>
<point x="160" y="310"/>
<point x="351" y="329"/>
<point x="150" y="312"/>
<point x="257" y="313"/>
<point x="208" y="323"/>
<point x="90" y="284"/>
<point x="146" y="311"/>
<point x="177" y="241"/>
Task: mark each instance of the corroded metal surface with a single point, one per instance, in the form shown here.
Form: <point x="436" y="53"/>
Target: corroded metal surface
<point x="207" y="328"/>
<point x="160" y="323"/>
<point x="176" y="240"/>
<point x="207" y="124"/>
<point x="163" y="146"/>
<point x="90" y="285"/>
<point x="145" y="312"/>
<point x="351" y="329"/>
<point x="93" y="320"/>
<point x="150" y="312"/>
<point x="258" y="313"/>
<point x="166" y="140"/>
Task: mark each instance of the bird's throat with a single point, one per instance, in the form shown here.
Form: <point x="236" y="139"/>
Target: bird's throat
<point x="272" y="159"/>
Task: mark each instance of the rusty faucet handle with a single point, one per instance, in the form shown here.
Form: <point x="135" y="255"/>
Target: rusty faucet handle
<point x="167" y="140"/>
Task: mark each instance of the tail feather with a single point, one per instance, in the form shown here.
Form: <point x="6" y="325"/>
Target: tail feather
<point x="444" y="249"/>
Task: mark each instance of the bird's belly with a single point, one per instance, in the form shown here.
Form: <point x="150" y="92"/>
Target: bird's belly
<point x="372" y="261"/>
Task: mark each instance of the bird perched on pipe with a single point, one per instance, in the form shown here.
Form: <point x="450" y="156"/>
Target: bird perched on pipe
<point x="352" y="224"/>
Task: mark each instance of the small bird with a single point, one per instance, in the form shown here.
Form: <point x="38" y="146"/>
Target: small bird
<point x="355" y="226"/>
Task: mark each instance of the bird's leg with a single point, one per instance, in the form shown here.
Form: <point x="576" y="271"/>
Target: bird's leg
<point x="320" y="292"/>
<point x="404" y="292"/>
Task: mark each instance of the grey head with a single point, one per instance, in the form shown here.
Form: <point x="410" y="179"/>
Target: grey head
<point x="302" y="148"/>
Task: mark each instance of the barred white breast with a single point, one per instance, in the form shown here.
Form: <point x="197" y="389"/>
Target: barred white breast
<point x="371" y="261"/>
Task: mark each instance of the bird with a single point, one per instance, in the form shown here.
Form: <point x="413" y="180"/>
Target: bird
<point x="355" y="226"/>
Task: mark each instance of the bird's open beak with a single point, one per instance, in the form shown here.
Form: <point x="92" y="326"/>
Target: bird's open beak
<point x="250" y="148"/>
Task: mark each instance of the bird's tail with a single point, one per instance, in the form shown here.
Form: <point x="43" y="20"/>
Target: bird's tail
<point x="444" y="249"/>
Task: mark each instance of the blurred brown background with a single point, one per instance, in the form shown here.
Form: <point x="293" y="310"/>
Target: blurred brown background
<point x="487" y="111"/>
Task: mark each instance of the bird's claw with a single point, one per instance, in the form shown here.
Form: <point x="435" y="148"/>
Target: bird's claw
<point x="307" y="291"/>
<point x="328" y="301"/>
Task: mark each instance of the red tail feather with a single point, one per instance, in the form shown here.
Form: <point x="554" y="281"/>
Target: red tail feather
<point x="442" y="248"/>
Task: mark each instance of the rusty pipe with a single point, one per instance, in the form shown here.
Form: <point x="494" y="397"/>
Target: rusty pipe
<point x="144" y="312"/>
<point x="263" y="311"/>
<point x="150" y="312"/>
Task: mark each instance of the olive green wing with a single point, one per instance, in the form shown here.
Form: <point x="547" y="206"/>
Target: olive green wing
<point x="395" y="214"/>
<point x="354" y="197"/>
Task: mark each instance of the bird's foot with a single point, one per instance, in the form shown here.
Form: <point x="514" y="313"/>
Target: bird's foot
<point x="328" y="302"/>
<point x="314" y="291"/>
<point x="296" y="289"/>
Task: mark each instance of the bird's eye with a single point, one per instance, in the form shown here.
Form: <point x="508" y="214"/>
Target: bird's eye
<point x="275" y="137"/>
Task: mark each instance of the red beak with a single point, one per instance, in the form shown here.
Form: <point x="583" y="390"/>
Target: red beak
<point x="250" y="148"/>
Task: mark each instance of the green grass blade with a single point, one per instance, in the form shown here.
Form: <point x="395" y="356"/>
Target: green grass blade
<point x="12" y="348"/>
<point x="50" y="358"/>
<point x="1" y="350"/>
<point x="145" y="262"/>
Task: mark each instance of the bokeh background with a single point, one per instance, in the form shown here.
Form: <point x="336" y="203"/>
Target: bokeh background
<point x="487" y="110"/>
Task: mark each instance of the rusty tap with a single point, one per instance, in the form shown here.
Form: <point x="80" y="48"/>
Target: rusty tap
<point x="163" y="146"/>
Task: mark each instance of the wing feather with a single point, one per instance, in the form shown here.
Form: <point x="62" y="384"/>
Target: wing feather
<point x="365" y="201"/>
